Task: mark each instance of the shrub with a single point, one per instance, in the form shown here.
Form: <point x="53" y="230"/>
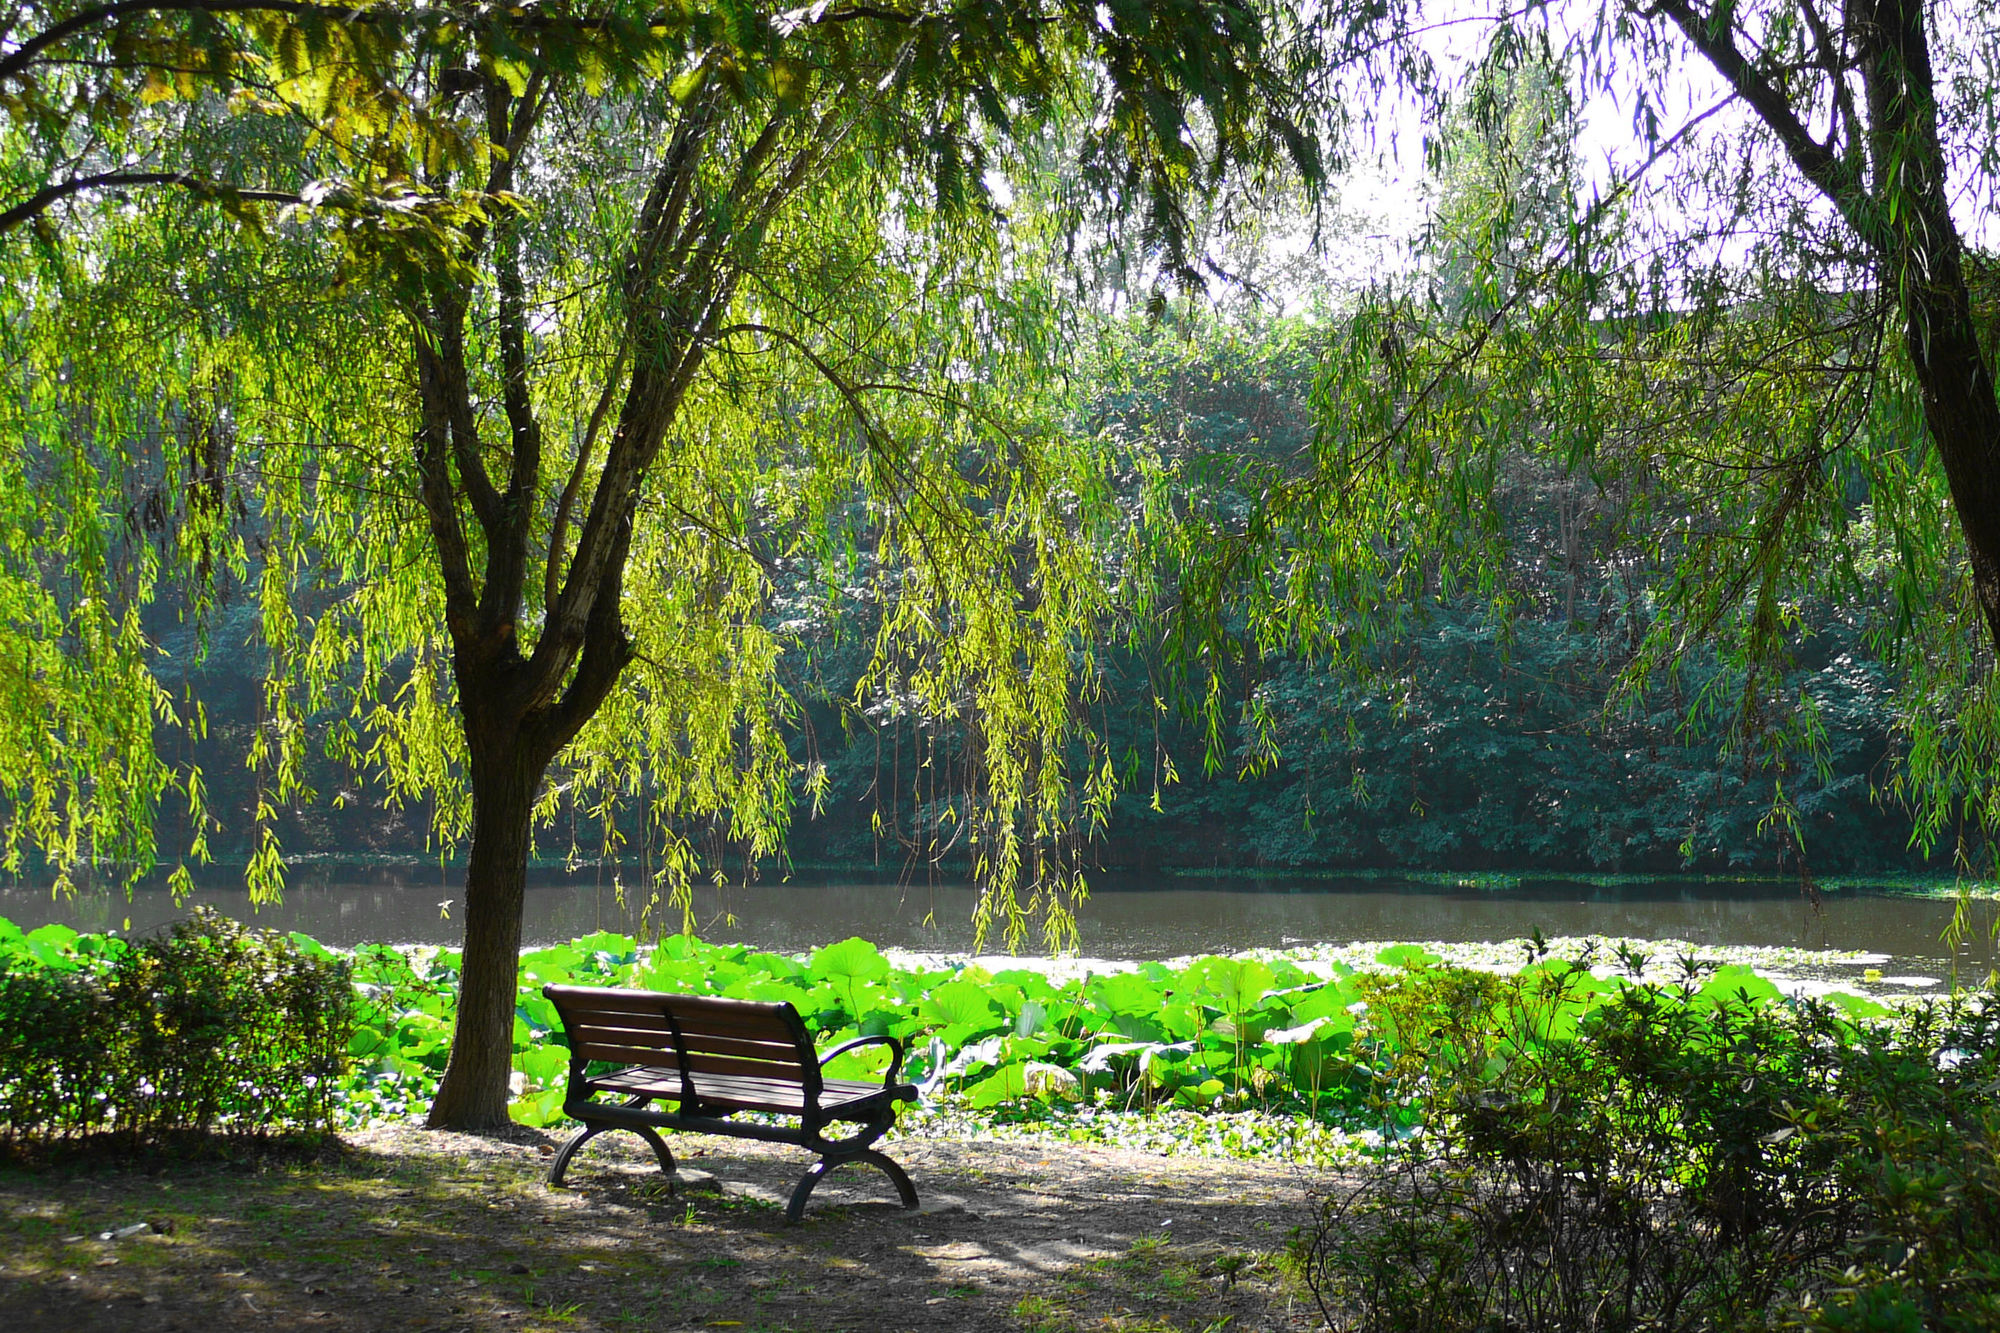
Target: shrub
<point x="209" y="1028"/>
<point x="1675" y="1157"/>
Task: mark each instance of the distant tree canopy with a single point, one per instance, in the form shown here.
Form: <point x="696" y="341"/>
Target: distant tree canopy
<point x="1758" y="363"/>
<point x="1486" y="732"/>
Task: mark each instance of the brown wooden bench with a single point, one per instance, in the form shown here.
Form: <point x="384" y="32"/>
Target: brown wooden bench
<point x="713" y="1058"/>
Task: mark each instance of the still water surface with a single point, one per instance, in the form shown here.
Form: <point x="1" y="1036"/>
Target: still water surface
<point x="1126" y="916"/>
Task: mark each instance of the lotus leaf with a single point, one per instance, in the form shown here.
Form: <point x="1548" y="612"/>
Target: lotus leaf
<point x="538" y="1109"/>
<point x="1101" y="1057"/>
<point x="1407" y="956"/>
<point x="544" y="1066"/>
<point x="1735" y="982"/>
<point x="1292" y="1036"/>
<point x="1031" y="1019"/>
<point x="962" y="1003"/>
<point x="1158" y="1062"/>
<point x="853" y="959"/>
<point x="1856" y="1006"/>
<point x="1234" y="984"/>
<point x="774" y="965"/>
<point x="623" y="948"/>
<point x="1031" y="984"/>
<point x="1041" y="1079"/>
<point x="1007" y="1083"/>
<point x="1131" y="1003"/>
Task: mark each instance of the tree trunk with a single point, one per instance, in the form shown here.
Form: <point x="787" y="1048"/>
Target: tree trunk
<point x="1928" y="266"/>
<point x="505" y="774"/>
<point x="1963" y="414"/>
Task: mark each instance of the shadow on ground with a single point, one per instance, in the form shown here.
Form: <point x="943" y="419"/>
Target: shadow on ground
<point x="401" y="1229"/>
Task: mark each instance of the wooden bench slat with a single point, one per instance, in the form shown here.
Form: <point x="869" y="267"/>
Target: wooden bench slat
<point x="618" y="1054"/>
<point x="648" y="1041"/>
<point x="787" y="1070"/>
<point x="660" y="1031"/>
<point x="722" y="1004"/>
<point x="719" y="1091"/>
<point x="641" y="1021"/>
<point x="746" y="1048"/>
<point x="755" y="1026"/>
<point x="740" y="1091"/>
<point x="577" y="995"/>
<point x="664" y="1040"/>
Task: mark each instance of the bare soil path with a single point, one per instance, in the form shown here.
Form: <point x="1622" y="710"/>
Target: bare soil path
<point x="401" y="1229"/>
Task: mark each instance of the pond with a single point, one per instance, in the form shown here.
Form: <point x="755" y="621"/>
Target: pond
<point x="1127" y="916"/>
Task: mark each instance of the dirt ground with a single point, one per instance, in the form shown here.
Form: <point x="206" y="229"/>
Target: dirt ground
<point x="402" y="1229"/>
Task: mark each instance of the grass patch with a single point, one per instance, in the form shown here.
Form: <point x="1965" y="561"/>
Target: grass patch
<point x="1155" y="1286"/>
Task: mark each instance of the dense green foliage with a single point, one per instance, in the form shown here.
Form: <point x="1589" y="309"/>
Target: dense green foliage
<point x="1359" y="763"/>
<point x="1506" y="724"/>
<point x="1218" y="1031"/>
<point x="1682" y="1156"/>
<point x="1720" y="356"/>
<point x="207" y="1028"/>
<point x="1210" y="1033"/>
<point x="1509" y="720"/>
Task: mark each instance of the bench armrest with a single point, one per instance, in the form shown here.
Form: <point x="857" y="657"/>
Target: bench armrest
<point x="895" y="1054"/>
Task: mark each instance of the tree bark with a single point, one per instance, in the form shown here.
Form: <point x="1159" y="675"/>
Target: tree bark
<point x="506" y="772"/>
<point x="1927" y="262"/>
<point x="1963" y="415"/>
<point x="519" y="713"/>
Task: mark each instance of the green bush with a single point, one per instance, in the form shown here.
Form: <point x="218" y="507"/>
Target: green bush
<point x="208" y="1028"/>
<point x="1692" y="1156"/>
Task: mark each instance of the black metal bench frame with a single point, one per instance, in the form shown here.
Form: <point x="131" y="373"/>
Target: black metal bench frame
<point x="714" y="1058"/>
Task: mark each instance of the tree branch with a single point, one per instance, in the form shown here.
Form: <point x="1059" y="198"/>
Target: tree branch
<point x="660" y="214"/>
<point x="508" y="541"/>
<point x="50" y="195"/>
<point x="433" y="471"/>
<point x="1836" y="72"/>
<point x="1828" y="173"/>
<point x="17" y="62"/>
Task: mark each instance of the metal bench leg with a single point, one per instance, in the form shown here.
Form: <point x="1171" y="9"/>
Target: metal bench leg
<point x="652" y="1136"/>
<point x="568" y="1150"/>
<point x="795" y="1211"/>
<point x="897" y="1176"/>
<point x="589" y="1132"/>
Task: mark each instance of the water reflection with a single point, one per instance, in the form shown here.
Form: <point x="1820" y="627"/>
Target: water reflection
<point x="1127" y="917"/>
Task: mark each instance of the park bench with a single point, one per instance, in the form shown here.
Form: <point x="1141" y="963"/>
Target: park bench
<point x="713" y="1058"/>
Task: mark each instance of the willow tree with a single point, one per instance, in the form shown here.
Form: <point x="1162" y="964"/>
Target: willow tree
<point x="520" y="357"/>
<point x="1761" y="343"/>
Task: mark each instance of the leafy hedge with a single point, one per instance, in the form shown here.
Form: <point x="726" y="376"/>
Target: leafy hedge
<point x="210" y="1028"/>
<point x="1675" y="1158"/>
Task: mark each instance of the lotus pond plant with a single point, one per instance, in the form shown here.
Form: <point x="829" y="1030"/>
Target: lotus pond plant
<point x="1327" y="1042"/>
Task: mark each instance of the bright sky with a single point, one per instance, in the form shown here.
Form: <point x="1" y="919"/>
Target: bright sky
<point x="1387" y="202"/>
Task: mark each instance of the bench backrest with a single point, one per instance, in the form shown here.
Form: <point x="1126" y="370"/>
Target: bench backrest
<point x="697" y="1034"/>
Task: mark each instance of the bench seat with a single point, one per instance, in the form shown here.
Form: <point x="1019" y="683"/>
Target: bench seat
<point x="710" y="1058"/>
<point x="839" y="1098"/>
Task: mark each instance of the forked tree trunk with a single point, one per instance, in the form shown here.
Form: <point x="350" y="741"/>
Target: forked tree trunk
<point x="505" y="776"/>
